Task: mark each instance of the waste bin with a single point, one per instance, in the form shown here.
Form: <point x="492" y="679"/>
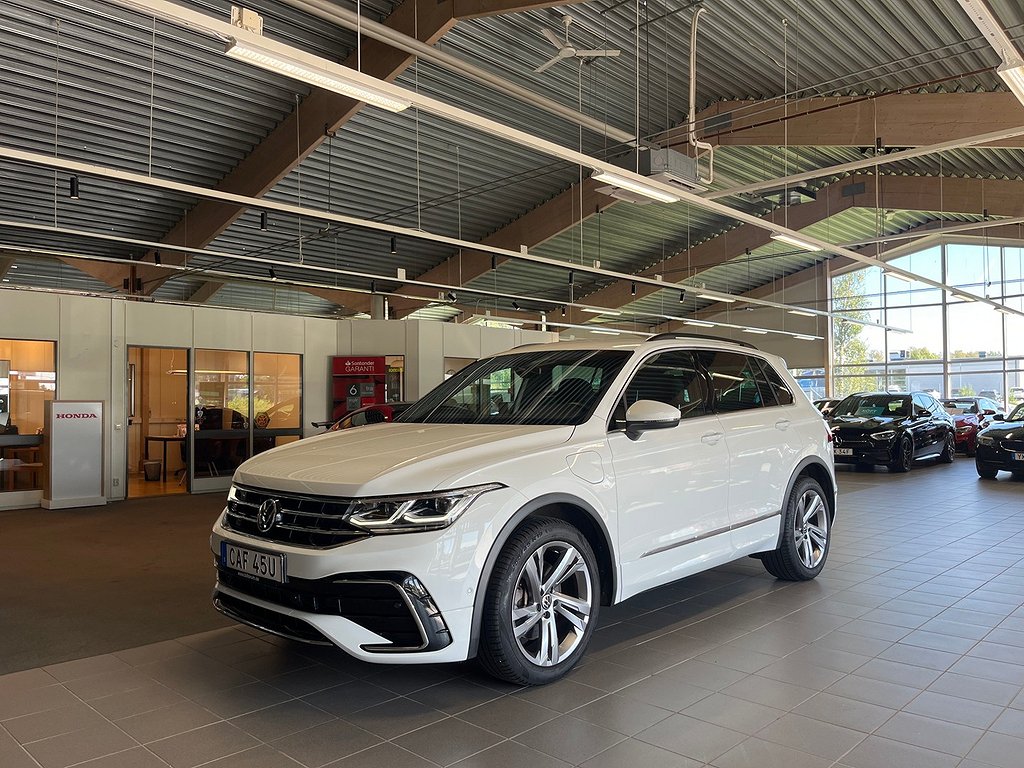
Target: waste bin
<point x="151" y="469"/>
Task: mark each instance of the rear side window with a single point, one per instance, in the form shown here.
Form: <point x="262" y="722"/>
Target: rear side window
<point x="776" y="384"/>
<point x="671" y="377"/>
<point x="734" y="383"/>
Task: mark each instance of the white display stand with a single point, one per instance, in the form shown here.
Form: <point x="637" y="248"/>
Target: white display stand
<point x="74" y="445"/>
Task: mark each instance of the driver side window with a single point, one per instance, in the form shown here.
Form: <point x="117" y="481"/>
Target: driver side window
<point x="670" y="377"/>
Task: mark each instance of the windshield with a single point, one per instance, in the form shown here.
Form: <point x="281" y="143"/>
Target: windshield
<point x="1018" y="414"/>
<point x="548" y="387"/>
<point x="873" y="406"/>
<point x="960" y="406"/>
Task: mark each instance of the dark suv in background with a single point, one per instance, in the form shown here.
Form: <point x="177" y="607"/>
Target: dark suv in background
<point x="892" y="429"/>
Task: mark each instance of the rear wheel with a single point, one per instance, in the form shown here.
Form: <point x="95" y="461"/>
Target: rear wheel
<point x="904" y="458"/>
<point x="949" y="450"/>
<point x="541" y="604"/>
<point x="805" y="538"/>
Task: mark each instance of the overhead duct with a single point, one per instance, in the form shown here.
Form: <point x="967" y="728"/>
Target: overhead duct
<point x="664" y="165"/>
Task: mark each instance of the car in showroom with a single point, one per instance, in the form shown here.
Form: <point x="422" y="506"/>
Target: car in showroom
<point x="894" y="429"/>
<point x="967" y="422"/>
<point x="986" y="407"/>
<point x="462" y="530"/>
<point x="1001" y="446"/>
<point x="825" y="405"/>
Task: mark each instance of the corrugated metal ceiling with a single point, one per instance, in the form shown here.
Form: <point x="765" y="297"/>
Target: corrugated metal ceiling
<point x="97" y="83"/>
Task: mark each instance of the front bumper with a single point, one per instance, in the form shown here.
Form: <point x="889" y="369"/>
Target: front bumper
<point x="398" y="598"/>
<point x="997" y="457"/>
<point x="866" y="453"/>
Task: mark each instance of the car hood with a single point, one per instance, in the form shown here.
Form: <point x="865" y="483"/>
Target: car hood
<point x="863" y="424"/>
<point x="961" y="419"/>
<point x="1005" y="430"/>
<point x="395" y="458"/>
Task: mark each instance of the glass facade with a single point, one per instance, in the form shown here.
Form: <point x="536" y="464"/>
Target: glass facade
<point x="28" y="378"/>
<point x="943" y="344"/>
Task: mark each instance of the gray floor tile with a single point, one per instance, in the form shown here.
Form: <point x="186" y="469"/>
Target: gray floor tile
<point x="639" y="753"/>
<point x="351" y="697"/>
<point x="136" y="702"/>
<point x="79" y="746"/>
<point x="939" y="735"/>
<point x="507" y="754"/>
<point x="454" y="696"/>
<point x="876" y="752"/>
<point x="257" y="757"/>
<point x="232" y="702"/>
<point x="873" y="691"/>
<point x="386" y="755"/>
<point x="1010" y="722"/>
<point x="758" y="753"/>
<point x="975" y="688"/>
<point x="281" y="719"/>
<point x="95" y="665"/>
<point x="665" y="692"/>
<point x="998" y="749"/>
<point x="606" y="675"/>
<point x="952" y="709"/>
<point x="617" y="713"/>
<point x="737" y="714"/>
<point x="33" y="700"/>
<point x="449" y="741"/>
<point x="309" y="679"/>
<point x="563" y="696"/>
<point x="325" y="743"/>
<point x="848" y="713"/>
<point x="136" y="757"/>
<point x="771" y="693"/>
<point x="691" y="737"/>
<point x="395" y="717"/>
<point x="897" y="672"/>
<point x="42" y="725"/>
<point x="12" y="754"/>
<point x="814" y="736"/>
<point x="508" y="716"/>
<point x="18" y="682"/>
<point x="202" y="745"/>
<point x="161" y="723"/>
<point x="570" y="739"/>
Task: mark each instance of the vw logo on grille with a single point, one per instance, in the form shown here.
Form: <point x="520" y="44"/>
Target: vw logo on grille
<point x="267" y="515"/>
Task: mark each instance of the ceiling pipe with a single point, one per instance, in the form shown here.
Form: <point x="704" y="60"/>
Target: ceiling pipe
<point x="700" y="147"/>
<point x="385" y="34"/>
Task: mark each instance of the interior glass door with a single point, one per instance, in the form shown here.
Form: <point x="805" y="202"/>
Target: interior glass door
<point x="220" y="418"/>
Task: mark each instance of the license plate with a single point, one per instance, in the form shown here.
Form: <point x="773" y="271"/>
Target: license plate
<point x="1018" y="457"/>
<point x="844" y="451"/>
<point x="261" y="564"/>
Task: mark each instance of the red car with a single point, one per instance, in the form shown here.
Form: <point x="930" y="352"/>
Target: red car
<point x="967" y="420"/>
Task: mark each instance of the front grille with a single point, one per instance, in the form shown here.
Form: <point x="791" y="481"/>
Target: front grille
<point x="373" y="601"/>
<point x="1013" y="445"/>
<point x="305" y="521"/>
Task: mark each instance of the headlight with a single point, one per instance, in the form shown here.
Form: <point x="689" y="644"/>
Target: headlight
<point x="986" y="440"/>
<point x="421" y="512"/>
<point x="885" y="436"/>
<point x="966" y="428"/>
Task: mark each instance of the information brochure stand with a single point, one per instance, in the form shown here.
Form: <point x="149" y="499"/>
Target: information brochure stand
<point x="73" y="441"/>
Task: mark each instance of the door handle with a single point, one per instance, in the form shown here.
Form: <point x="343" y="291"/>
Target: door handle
<point x="782" y="424"/>
<point x="711" y="437"/>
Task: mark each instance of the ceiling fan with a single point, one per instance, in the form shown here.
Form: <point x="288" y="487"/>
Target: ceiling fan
<point x="566" y="49"/>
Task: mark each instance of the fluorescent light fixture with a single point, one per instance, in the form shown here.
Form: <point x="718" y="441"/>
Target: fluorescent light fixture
<point x="633" y="185"/>
<point x="801" y="312"/>
<point x="699" y="323"/>
<point x="1004" y="310"/>
<point x="963" y="296"/>
<point x="796" y="242"/>
<point x="723" y="299"/>
<point x="759" y="331"/>
<point x="602" y="330"/>
<point x="611" y="312"/>
<point x="804" y="337"/>
<point x="312" y="70"/>
<point x="1013" y="75"/>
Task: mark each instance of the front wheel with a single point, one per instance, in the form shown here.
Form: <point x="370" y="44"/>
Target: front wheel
<point x="541" y="604"/>
<point x="986" y="473"/>
<point x="806" y="529"/>
<point x="904" y="458"/>
<point x="949" y="451"/>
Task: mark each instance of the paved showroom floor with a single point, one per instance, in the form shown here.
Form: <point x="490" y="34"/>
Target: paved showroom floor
<point x="908" y="651"/>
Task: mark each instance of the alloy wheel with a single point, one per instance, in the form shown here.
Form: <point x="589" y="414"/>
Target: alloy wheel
<point x="551" y="603"/>
<point x="810" y="528"/>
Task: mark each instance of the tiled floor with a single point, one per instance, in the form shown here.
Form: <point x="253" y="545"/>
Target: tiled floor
<point x="907" y="652"/>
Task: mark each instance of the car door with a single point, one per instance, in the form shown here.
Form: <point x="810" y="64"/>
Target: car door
<point x="762" y="448"/>
<point x="672" y="485"/>
<point x="926" y="428"/>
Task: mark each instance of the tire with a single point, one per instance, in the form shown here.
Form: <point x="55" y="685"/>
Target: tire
<point x="806" y="529"/>
<point x="986" y="473"/>
<point x="972" y="447"/>
<point x="522" y="605"/>
<point x="948" y="454"/>
<point x="904" y="456"/>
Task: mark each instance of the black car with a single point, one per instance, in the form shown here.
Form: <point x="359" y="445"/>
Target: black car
<point x="1001" y="446"/>
<point x="891" y="429"/>
<point x="827" y="404"/>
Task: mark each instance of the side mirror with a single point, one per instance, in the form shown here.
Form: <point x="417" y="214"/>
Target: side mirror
<point x="989" y="412"/>
<point x="999" y="417"/>
<point x="644" y="415"/>
<point x="923" y="413"/>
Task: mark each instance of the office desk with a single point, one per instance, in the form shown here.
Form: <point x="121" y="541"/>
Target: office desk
<point x="16" y="443"/>
<point x="165" y="439"/>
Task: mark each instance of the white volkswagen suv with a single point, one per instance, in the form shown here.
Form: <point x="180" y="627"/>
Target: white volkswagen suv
<point x="498" y="513"/>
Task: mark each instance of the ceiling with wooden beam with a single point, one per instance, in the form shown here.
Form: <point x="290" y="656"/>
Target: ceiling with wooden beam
<point x="783" y="86"/>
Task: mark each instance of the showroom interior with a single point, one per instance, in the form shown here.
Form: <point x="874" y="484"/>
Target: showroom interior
<point x="224" y="227"/>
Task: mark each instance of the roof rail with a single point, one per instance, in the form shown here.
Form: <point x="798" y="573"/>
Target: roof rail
<point x="677" y="335"/>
